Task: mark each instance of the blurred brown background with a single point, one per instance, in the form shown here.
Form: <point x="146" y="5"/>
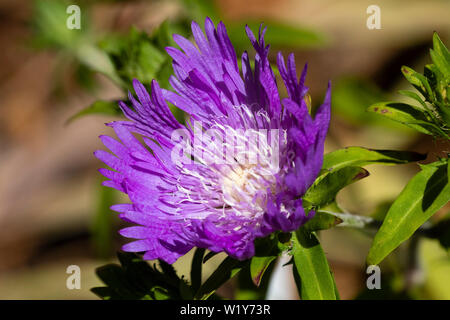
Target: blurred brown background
<point x="49" y="186"/>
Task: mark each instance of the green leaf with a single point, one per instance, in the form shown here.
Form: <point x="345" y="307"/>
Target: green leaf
<point x="411" y="116"/>
<point x="440" y="56"/>
<point x="98" y="107"/>
<point x="258" y="266"/>
<point x="419" y="81"/>
<point x="311" y="264"/>
<point x="414" y="96"/>
<point x="359" y="156"/>
<point x="437" y="82"/>
<point x="225" y="271"/>
<point x="433" y="115"/>
<point x="137" y="55"/>
<point x="326" y="186"/>
<point x="424" y="194"/>
<point x="158" y="293"/>
<point x="322" y="221"/>
<point x="140" y="59"/>
<point x="244" y="287"/>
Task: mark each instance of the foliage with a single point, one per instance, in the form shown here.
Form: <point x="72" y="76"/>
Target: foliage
<point x="428" y="190"/>
<point x="136" y="279"/>
<point x="432" y="113"/>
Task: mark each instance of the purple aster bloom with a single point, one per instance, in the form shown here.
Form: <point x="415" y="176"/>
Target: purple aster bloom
<point x="218" y="205"/>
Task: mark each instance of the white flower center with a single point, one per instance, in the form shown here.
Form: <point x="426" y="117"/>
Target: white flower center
<point x="237" y="181"/>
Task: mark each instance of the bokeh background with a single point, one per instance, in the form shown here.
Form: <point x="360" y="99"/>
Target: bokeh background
<point x="53" y="212"/>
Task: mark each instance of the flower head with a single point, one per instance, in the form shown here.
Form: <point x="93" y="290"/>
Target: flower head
<point x="235" y="171"/>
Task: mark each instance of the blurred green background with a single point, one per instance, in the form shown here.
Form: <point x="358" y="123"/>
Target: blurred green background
<point x="53" y="212"/>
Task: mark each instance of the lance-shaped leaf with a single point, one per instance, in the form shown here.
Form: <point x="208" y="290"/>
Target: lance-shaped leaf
<point x="419" y="81"/>
<point x="424" y="194"/>
<point x="424" y="107"/>
<point x="411" y="116"/>
<point x="415" y="96"/>
<point x="358" y="156"/>
<point x="267" y="249"/>
<point x="437" y="82"/>
<point x="316" y="280"/>
<point x="325" y="188"/>
<point x="258" y="266"/>
<point x="438" y="75"/>
<point x="322" y="221"/>
<point x="440" y="56"/>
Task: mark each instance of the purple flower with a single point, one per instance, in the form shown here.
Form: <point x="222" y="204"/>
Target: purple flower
<point x="218" y="205"/>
